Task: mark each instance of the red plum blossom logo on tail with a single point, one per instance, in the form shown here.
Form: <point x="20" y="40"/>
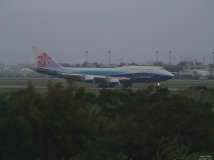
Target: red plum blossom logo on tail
<point x="44" y="59"/>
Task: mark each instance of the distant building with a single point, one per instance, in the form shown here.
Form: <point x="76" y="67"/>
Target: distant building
<point x="191" y="65"/>
<point x="172" y="68"/>
<point x="150" y="63"/>
<point x="2" y="64"/>
<point x="92" y="65"/>
<point x="108" y="65"/>
<point x="23" y="65"/>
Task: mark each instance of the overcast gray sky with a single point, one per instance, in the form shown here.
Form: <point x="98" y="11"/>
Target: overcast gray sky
<point x="132" y="29"/>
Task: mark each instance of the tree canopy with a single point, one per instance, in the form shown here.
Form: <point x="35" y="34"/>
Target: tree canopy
<point x="67" y="122"/>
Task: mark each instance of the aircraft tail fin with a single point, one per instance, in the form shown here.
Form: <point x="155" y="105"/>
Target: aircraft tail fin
<point x="46" y="61"/>
<point x="33" y="64"/>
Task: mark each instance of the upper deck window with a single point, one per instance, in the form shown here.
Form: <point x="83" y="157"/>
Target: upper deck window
<point x="148" y="69"/>
<point x="135" y="69"/>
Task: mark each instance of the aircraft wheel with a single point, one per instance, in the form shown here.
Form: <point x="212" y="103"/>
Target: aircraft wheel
<point x="126" y="85"/>
<point x="111" y="86"/>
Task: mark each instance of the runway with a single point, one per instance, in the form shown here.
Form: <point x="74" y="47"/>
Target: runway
<point x="40" y="83"/>
<point x="62" y="79"/>
<point x="94" y="88"/>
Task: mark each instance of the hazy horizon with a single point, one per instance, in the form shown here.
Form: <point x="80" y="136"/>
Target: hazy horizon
<point x="134" y="30"/>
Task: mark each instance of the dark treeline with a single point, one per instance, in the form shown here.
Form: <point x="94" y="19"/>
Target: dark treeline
<point x="69" y="123"/>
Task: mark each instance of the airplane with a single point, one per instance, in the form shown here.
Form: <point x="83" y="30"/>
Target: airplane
<point x="193" y="73"/>
<point x="200" y="73"/>
<point x="196" y="73"/>
<point x="104" y="77"/>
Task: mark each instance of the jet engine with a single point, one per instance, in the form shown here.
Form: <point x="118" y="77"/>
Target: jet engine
<point x="89" y="79"/>
<point x="114" y="82"/>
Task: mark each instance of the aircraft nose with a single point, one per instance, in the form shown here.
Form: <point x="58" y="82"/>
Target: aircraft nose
<point x="171" y="75"/>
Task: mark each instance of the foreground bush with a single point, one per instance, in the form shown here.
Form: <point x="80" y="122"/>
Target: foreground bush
<point x="67" y="122"/>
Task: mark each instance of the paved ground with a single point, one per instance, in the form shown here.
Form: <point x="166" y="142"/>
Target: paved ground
<point x="40" y="83"/>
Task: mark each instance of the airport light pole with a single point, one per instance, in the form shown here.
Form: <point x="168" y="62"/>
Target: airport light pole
<point x="185" y="62"/>
<point x="86" y="58"/>
<point x="109" y="57"/>
<point x="157" y="56"/>
<point x="203" y="60"/>
<point x="169" y="60"/>
<point x="212" y="65"/>
<point x="169" y="57"/>
<point x="213" y="58"/>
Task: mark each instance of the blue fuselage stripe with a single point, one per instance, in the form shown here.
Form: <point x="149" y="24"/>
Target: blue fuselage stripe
<point x="135" y="77"/>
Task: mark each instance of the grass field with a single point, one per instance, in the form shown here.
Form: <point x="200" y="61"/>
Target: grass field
<point x="6" y="85"/>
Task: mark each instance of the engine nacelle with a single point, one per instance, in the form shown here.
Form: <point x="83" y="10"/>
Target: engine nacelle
<point x="124" y="80"/>
<point x="89" y="79"/>
<point x="114" y="82"/>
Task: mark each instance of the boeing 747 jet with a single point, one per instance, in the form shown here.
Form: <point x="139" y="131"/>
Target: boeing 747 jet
<point x="104" y="77"/>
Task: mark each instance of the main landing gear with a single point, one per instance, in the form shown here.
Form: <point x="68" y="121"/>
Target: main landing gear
<point x="111" y="86"/>
<point x="127" y="84"/>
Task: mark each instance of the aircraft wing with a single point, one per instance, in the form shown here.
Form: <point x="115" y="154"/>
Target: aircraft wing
<point x="109" y="79"/>
<point x="79" y="77"/>
<point x="98" y="79"/>
<point x="84" y="77"/>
